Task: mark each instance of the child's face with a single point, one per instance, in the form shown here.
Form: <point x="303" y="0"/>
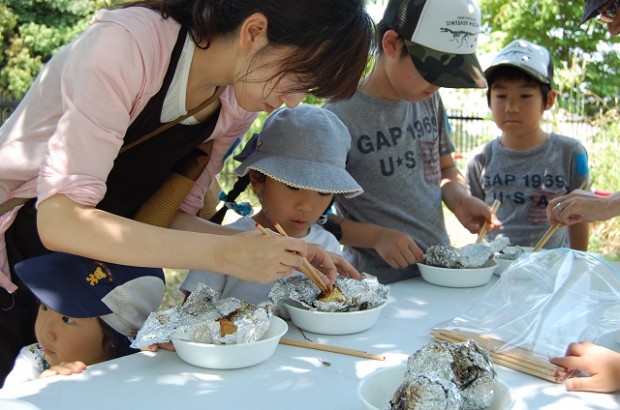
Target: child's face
<point x="294" y="209"/>
<point x="66" y="339"/>
<point x="402" y="77"/>
<point x="517" y="107"/>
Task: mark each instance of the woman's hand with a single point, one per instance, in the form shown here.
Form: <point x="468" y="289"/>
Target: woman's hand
<point x="322" y="261"/>
<point x="582" y="206"/>
<point x="344" y="267"/>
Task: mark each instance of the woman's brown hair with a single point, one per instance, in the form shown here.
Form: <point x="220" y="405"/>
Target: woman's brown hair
<point x="333" y="38"/>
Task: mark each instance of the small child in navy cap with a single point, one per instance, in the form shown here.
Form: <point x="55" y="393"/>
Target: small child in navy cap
<point x="89" y="312"/>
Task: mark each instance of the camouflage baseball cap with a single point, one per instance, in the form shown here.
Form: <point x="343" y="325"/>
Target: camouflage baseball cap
<point x="441" y="36"/>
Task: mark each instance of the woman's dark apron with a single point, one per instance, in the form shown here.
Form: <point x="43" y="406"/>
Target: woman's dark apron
<point x="137" y="173"/>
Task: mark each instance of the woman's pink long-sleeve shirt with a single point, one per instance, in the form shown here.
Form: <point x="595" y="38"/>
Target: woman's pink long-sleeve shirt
<point x="68" y="129"/>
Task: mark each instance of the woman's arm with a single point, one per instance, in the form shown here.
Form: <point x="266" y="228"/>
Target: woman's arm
<point x="83" y="230"/>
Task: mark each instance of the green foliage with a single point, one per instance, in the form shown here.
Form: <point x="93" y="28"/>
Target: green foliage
<point x="587" y="66"/>
<point x="603" y="158"/>
<point x="31" y="31"/>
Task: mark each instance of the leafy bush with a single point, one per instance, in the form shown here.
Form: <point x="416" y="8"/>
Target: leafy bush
<point x="603" y="158"/>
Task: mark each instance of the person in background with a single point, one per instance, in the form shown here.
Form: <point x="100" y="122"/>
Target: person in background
<point x="141" y="66"/>
<point x="401" y="151"/>
<point x="601" y="364"/>
<point x="89" y="312"/>
<point x="526" y="167"/>
<point x="296" y="165"/>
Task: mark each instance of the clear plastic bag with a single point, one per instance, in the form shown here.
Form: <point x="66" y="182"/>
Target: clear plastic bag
<point x="546" y="300"/>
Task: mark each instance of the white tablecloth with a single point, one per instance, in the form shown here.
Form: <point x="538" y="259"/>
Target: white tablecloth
<point x="294" y="378"/>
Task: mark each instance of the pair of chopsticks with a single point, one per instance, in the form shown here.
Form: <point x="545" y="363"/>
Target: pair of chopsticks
<point x="306" y="267"/>
<point x="549" y="233"/>
<point x="485" y="226"/>
<point x="515" y="358"/>
<point x="332" y="349"/>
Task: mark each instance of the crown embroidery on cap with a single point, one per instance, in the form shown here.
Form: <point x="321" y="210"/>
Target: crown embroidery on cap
<point x="102" y="272"/>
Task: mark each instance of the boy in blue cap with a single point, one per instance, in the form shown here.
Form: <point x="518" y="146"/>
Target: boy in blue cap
<point x="527" y="167"/>
<point x="89" y="311"/>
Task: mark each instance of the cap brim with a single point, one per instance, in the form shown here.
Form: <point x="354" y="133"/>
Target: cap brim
<point x="591" y="9"/>
<point x="446" y="70"/>
<point x="528" y="70"/>
<point x="303" y="174"/>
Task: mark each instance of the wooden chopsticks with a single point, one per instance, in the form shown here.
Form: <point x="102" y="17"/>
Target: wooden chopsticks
<point x="485" y="226"/>
<point x="328" y="348"/>
<point x="516" y="358"/>
<point x="306" y="268"/>
<point x="549" y="233"/>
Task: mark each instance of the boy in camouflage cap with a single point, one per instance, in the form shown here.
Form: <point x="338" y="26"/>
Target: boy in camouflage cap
<point x="401" y="147"/>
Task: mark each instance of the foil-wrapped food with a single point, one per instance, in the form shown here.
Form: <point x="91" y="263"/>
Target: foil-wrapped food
<point x="202" y="318"/>
<point x="447" y="375"/>
<point x="352" y="294"/>
<point x="510" y="253"/>
<point x="469" y="256"/>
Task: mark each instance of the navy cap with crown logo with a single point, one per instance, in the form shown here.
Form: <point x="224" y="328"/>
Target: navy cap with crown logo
<point x="78" y="287"/>
<point x="441" y="37"/>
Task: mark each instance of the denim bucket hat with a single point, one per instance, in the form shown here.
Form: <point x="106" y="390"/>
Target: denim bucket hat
<point x="304" y="147"/>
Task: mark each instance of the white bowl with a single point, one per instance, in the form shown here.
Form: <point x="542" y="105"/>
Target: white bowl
<point x="503" y="264"/>
<point x="333" y="323"/>
<point x="233" y="356"/>
<point x="458" y="278"/>
<point x="376" y="389"/>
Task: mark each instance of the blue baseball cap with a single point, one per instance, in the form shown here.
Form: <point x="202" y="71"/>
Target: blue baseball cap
<point x="122" y="296"/>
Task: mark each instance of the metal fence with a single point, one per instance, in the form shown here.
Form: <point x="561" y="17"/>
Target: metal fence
<point x="468" y="130"/>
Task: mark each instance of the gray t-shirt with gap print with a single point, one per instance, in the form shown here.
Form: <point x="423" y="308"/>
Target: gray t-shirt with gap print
<point x="525" y="182"/>
<point x="395" y="151"/>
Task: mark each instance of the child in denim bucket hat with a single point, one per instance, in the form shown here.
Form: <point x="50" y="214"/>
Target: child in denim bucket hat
<point x="296" y="165"/>
<point x="401" y="147"/>
<point x="89" y="312"/>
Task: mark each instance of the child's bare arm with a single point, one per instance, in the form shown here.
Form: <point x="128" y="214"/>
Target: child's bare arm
<point x="65" y="368"/>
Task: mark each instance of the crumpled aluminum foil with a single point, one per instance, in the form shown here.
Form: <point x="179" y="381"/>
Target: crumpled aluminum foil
<point x="359" y="294"/>
<point x="447" y="376"/>
<point x="470" y="256"/>
<point x="512" y="253"/>
<point x="198" y="320"/>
